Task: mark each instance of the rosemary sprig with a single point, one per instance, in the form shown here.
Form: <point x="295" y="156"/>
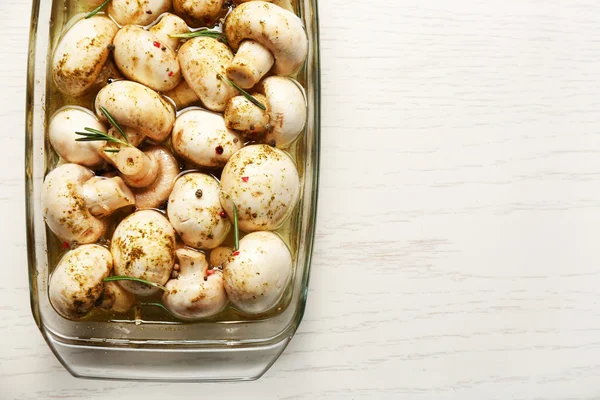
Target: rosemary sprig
<point x="236" y="228"/>
<point x="129" y="278"/>
<point x="156" y="305"/>
<point x="115" y="124"/>
<point x="247" y="95"/>
<point x="97" y="9"/>
<point x="94" y="135"/>
<point x="111" y="150"/>
<point x="204" y="32"/>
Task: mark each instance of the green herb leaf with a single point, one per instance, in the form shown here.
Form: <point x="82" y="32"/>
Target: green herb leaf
<point x="156" y="305"/>
<point x="129" y="278"/>
<point x="204" y="32"/>
<point x="114" y="123"/>
<point x="94" y="135"/>
<point x="247" y="95"/>
<point x="236" y="228"/>
<point x="98" y="9"/>
<point x="111" y="150"/>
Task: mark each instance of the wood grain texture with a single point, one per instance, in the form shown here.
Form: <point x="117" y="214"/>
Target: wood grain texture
<point x="457" y="247"/>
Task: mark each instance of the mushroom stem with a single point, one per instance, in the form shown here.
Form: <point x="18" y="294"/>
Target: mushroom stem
<point x="241" y="115"/>
<point x="251" y="62"/>
<point x="103" y="196"/>
<point x="191" y="262"/>
<point x="137" y="168"/>
<point x="183" y="95"/>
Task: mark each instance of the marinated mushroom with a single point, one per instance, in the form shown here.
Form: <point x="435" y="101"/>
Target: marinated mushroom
<point x="202" y="60"/>
<point x="139" y="12"/>
<point x="197" y="292"/>
<point x="155" y="194"/>
<point x="77" y="281"/>
<point x="141" y="57"/>
<point x="81" y="54"/>
<point x="73" y="200"/>
<point x="114" y="298"/>
<point x="198" y="13"/>
<point x="183" y="95"/>
<point x="257" y="275"/>
<point x="196" y="213"/>
<point x="169" y="24"/>
<point x="143" y="246"/>
<point x="63" y="137"/>
<point x="137" y="106"/>
<point x="201" y="137"/>
<point x="285" y="4"/>
<point x="219" y="255"/>
<point x="283" y="120"/>
<point x="264" y="185"/>
<point x="264" y="36"/>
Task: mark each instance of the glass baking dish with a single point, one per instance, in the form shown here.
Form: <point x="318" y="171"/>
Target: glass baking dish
<point x="224" y="349"/>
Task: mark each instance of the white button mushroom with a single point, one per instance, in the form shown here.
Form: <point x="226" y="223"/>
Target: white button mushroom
<point x="219" y="255"/>
<point x="139" y="12"/>
<point x="143" y="246"/>
<point x="195" y="211"/>
<point x="81" y="54"/>
<point x="285" y="4"/>
<point x="261" y="32"/>
<point x="169" y="24"/>
<point x="183" y="95"/>
<point x="284" y="119"/>
<point x="197" y="292"/>
<point x="202" y="59"/>
<point x="263" y="183"/>
<point x="62" y="134"/>
<point x="201" y="137"/>
<point x="155" y="194"/>
<point x="77" y="281"/>
<point x="141" y="57"/>
<point x="257" y="275"/>
<point x="114" y="298"/>
<point x="72" y="198"/>
<point x="138" y="107"/>
<point x="198" y="13"/>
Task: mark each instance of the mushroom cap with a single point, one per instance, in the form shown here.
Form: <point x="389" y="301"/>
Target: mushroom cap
<point x="154" y="195"/>
<point x="142" y="58"/>
<point x="138" y="107"/>
<point x="287" y="110"/>
<point x="277" y="29"/>
<point x="201" y="59"/>
<point x="194" y="211"/>
<point x="201" y="137"/>
<point x="143" y="246"/>
<point x="257" y="275"/>
<point x="198" y="13"/>
<point x="65" y="210"/>
<point x="167" y="25"/>
<point x="77" y="281"/>
<point x="61" y="132"/>
<point x="127" y="12"/>
<point x="81" y="54"/>
<point x="114" y="298"/>
<point x="264" y="184"/>
<point x="195" y="294"/>
<point x="219" y="255"/>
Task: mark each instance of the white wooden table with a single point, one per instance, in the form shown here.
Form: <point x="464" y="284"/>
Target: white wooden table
<point x="457" y="252"/>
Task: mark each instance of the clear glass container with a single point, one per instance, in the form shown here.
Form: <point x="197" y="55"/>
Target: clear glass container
<point x="223" y="349"/>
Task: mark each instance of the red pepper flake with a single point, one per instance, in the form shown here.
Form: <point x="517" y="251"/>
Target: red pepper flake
<point x="223" y="214"/>
<point x="219" y="150"/>
<point x="210" y="272"/>
<point x="245" y="178"/>
<point x="157" y="44"/>
<point x="237" y="253"/>
<point x="171" y="73"/>
<point x="66" y="245"/>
